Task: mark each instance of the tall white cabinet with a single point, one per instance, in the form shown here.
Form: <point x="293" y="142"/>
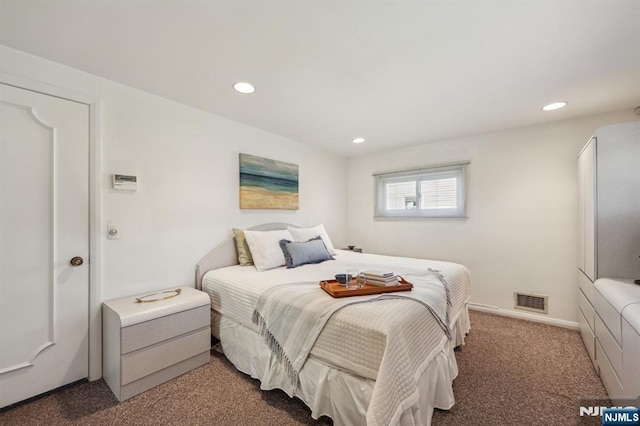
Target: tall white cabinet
<point x="609" y="203"/>
<point x="609" y="234"/>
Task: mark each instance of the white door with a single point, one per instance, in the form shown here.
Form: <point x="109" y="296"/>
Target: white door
<point x="44" y="223"/>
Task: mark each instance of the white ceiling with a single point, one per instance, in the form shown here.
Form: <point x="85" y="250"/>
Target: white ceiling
<point x="395" y="72"/>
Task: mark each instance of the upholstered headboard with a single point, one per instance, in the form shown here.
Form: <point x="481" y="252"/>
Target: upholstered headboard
<point x="226" y="254"/>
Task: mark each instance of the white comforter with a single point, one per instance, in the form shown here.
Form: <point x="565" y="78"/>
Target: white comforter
<point x="355" y="337"/>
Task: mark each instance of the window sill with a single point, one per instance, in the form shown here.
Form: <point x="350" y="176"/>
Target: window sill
<point x="406" y="218"/>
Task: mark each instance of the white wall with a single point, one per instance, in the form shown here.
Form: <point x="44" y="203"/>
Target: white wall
<point x="520" y="234"/>
<point x="521" y="230"/>
<point x="187" y="164"/>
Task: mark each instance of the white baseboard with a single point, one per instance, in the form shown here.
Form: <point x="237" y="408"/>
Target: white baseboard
<point x="523" y="315"/>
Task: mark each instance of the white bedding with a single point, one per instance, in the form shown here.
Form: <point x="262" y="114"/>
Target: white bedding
<point x="354" y="338"/>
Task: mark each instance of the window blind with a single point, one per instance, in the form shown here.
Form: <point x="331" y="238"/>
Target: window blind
<point x="425" y="192"/>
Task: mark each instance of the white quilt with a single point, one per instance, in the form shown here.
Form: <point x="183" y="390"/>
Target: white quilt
<point x="355" y="338"/>
<point x="291" y="316"/>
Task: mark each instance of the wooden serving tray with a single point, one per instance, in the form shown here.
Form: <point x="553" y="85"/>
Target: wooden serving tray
<point x="335" y="289"/>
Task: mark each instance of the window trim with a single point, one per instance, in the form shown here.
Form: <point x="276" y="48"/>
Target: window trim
<point x="458" y="170"/>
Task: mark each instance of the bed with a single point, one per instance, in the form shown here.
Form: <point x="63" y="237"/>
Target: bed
<point x="382" y="362"/>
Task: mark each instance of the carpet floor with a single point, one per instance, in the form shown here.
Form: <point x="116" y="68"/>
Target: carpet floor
<point x="511" y="372"/>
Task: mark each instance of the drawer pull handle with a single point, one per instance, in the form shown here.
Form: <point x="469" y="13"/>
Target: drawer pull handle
<point x="155" y="297"/>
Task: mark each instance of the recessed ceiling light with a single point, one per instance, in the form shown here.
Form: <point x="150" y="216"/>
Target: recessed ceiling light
<point x="244" y="87"/>
<point x="555" y="105"/>
<point x="358" y="140"/>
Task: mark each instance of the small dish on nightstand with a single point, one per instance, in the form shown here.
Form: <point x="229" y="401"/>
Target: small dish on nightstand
<point x="353" y="249"/>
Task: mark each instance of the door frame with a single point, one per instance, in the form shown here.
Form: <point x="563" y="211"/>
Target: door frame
<point x="95" y="211"/>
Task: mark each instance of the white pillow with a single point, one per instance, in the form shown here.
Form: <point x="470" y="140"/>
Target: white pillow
<point x="265" y="248"/>
<point x="301" y="235"/>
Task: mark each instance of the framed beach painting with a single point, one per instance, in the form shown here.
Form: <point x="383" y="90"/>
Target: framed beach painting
<point x="268" y="184"/>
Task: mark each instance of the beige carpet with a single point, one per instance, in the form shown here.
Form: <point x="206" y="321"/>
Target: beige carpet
<point x="511" y="372"/>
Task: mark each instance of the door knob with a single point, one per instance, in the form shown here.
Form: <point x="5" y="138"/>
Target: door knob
<point x="77" y="261"/>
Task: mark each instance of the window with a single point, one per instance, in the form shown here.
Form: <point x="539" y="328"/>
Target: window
<point x="426" y="192"/>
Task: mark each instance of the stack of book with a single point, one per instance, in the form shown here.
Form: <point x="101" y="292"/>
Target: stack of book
<point x="381" y="278"/>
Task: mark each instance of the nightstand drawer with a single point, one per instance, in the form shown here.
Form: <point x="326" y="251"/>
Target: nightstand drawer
<point x="154" y="331"/>
<point x="149" y="360"/>
<point x="159" y="377"/>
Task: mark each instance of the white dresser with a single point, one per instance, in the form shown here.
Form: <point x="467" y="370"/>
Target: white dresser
<point x="631" y="355"/>
<point x="146" y="344"/>
<point x="608" y="217"/>
<point x="616" y="303"/>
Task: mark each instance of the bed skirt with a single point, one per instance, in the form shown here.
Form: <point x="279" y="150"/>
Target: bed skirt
<point x="328" y="390"/>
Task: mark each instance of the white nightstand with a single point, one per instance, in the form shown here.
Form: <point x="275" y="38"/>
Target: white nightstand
<point x="146" y="344"/>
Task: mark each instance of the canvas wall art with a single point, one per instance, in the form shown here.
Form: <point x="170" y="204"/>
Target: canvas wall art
<point x="268" y="184"/>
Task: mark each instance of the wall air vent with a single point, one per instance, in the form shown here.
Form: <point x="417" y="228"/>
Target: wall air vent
<point x="531" y="302"/>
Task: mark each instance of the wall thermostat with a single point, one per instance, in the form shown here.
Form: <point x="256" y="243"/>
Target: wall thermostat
<point x="125" y="182"/>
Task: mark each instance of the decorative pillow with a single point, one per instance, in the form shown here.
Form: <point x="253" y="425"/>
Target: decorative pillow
<point x="244" y="254"/>
<point x="298" y="254"/>
<point x="265" y="248"/>
<point x="305" y="234"/>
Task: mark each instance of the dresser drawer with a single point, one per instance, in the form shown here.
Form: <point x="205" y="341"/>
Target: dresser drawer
<point x="609" y="316"/>
<point x="588" y="338"/>
<point x="138" y="364"/>
<point x="607" y="374"/>
<point x="631" y="358"/>
<point x="586" y="285"/>
<point x="609" y="345"/>
<point x="157" y="330"/>
<point x="587" y="310"/>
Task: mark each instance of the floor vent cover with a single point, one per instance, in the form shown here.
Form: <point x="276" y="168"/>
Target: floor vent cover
<point x="531" y="302"/>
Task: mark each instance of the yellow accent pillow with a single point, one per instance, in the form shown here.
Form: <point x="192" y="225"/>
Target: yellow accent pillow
<point x="244" y="254"/>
